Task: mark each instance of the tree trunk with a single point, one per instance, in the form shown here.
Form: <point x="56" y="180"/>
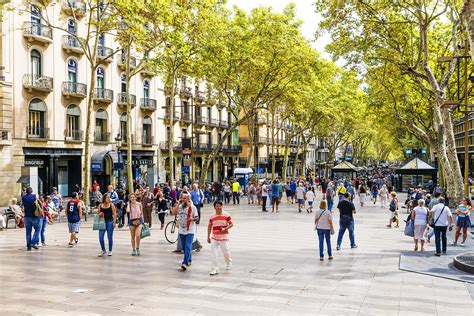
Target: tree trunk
<point x="273" y="144"/>
<point x="87" y="140"/>
<point x="171" y="80"/>
<point x="129" y="124"/>
<point x="251" y="145"/>
<point x="285" y="157"/>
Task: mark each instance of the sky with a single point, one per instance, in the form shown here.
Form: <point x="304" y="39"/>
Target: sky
<point x="305" y="12"/>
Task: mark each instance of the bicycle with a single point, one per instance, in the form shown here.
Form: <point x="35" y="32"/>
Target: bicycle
<point x="171" y="231"/>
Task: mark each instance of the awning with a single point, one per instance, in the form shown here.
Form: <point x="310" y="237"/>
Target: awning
<point x="97" y="160"/>
<point x="23" y="179"/>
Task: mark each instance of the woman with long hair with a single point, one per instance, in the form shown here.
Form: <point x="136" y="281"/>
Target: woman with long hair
<point x="324" y="227"/>
<point x="463" y="220"/>
<point x="135" y="222"/>
<point x="107" y="211"/>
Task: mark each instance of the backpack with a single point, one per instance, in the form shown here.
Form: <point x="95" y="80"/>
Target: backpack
<point x="38" y="208"/>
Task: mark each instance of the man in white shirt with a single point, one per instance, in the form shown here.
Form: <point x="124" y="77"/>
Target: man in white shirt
<point x="442" y="218"/>
<point x="300" y="196"/>
<point x="310" y="197"/>
<point x="264" y="196"/>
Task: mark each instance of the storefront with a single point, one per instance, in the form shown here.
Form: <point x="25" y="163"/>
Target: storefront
<point x="344" y="170"/>
<point x="54" y="167"/>
<point x="414" y="173"/>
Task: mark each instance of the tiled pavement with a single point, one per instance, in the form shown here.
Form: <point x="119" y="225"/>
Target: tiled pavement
<point x="276" y="272"/>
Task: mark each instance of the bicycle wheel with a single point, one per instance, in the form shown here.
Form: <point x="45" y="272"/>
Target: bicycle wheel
<point x="171" y="233"/>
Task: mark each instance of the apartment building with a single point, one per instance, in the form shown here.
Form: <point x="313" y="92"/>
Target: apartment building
<point x="43" y="95"/>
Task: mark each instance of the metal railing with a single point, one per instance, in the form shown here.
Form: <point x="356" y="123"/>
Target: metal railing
<point x="186" y="91"/>
<point x="165" y="145"/>
<point x="76" y="89"/>
<point x="223" y="124"/>
<point x="213" y="122"/>
<point x="263" y="140"/>
<point x="38" y="82"/>
<point x="103" y="95"/>
<point x="36" y="132"/>
<point x="73" y="135"/>
<point x="148" y="104"/>
<point x="199" y="96"/>
<point x="104" y="53"/>
<point x="122" y="99"/>
<point x="79" y="7"/>
<point x="168" y="115"/>
<point x="102" y="137"/>
<point x="122" y="61"/>
<point x="202" y="120"/>
<point x="70" y="42"/>
<point x="186" y="117"/>
<point x="202" y="147"/>
<point x="38" y="30"/>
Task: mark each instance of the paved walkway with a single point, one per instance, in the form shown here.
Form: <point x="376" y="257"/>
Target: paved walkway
<point x="276" y="271"/>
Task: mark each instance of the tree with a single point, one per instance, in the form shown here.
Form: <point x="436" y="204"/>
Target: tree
<point x="407" y="37"/>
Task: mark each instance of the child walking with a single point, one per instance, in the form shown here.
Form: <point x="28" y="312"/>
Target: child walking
<point x="219" y="225"/>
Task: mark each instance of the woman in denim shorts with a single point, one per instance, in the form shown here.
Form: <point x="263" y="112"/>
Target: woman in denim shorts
<point x="135" y="222"/>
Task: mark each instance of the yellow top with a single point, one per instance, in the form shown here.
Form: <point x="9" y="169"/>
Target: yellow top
<point x="235" y="186"/>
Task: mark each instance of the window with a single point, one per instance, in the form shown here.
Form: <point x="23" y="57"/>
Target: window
<point x="184" y="133"/>
<point x="71" y="26"/>
<point x="36" y="115"/>
<point x="101" y="125"/>
<point x="35" y="14"/>
<point x="209" y="138"/>
<point x="36" y="66"/>
<point x="219" y="114"/>
<point x="185" y="107"/>
<point x="209" y="113"/>
<point x="123" y="81"/>
<point x="146" y="89"/>
<point x="100" y="80"/>
<point x="72" y="72"/>
<point x="123" y="127"/>
<point x="73" y="116"/>
<point x="147" y="131"/>
<point x="229" y="118"/>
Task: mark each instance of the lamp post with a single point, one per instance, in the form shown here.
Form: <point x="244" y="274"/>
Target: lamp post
<point x="118" y="143"/>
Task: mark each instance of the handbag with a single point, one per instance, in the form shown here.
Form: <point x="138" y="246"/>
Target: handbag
<point x="99" y="223"/>
<point x="431" y="223"/>
<point x="410" y="228"/>
<point x="145" y="232"/>
<point x="38" y="208"/>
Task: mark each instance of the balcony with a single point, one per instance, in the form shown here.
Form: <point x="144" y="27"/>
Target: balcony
<point x="223" y="124"/>
<point x="213" y="122"/>
<point x="101" y="137"/>
<point x="231" y="148"/>
<point x="102" y="95"/>
<point x="185" y="92"/>
<point x="73" y="136"/>
<point x="210" y="98"/>
<point x="122" y="62"/>
<point x="200" y="147"/>
<point x="5" y="137"/>
<point x="74" y="7"/>
<point x="186" y="117"/>
<point x="122" y="100"/>
<point x="147" y="104"/>
<point x="199" y="96"/>
<point x="74" y="90"/>
<point x="202" y="120"/>
<point x="70" y="44"/>
<point x="37" y="133"/>
<point x="168" y="115"/>
<point x="35" y="32"/>
<point x="147" y="72"/>
<point x="166" y="145"/>
<point x="104" y="54"/>
<point x="37" y="83"/>
<point x="147" y="140"/>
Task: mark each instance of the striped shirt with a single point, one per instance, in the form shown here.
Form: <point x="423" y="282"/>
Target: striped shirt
<point x="218" y="222"/>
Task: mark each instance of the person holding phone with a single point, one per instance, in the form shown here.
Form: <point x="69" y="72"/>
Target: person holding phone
<point x="188" y="216"/>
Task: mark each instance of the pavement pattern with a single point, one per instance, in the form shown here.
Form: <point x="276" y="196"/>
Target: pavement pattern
<point x="276" y="271"/>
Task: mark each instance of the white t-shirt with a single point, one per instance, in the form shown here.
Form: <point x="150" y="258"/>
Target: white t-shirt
<point x="264" y="190"/>
<point x="421" y="214"/>
<point x="310" y="196"/>
<point x="183" y="220"/>
<point x="300" y="193"/>
<point x="443" y="219"/>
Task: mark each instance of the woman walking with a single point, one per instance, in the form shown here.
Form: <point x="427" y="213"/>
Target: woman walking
<point x="161" y="207"/>
<point x="107" y="211"/>
<point x="227" y="189"/>
<point x="135" y="222"/>
<point x="393" y="210"/>
<point x="324" y="228"/>
<point x="463" y="221"/>
<point x="420" y="215"/>
<point x="383" y="193"/>
<point x="362" y="193"/>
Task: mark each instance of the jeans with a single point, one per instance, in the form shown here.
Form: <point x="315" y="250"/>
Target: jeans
<point x="330" y="204"/>
<point x="187" y="241"/>
<point x="109" y="228"/>
<point x="324" y="234"/>
<point x="235" y="196"/>
<point x="226" y="197"/>
<point x="430" y="234"/>
<point x="198" y="208"/>
<point x="30" y="223"/>
<point x="440" y="231"/>
<point x="43" y="222"/>
<point x="264" y="203"/>
<point x="342" y="230"/>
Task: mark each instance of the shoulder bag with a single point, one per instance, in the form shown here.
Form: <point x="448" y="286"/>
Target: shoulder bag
<point x="431" y="223"/>
<point x="38" y="208"/>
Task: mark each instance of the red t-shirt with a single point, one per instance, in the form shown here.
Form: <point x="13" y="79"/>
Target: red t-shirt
<point x="220" y="221"/>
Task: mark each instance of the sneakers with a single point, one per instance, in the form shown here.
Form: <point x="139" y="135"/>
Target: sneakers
<point x="134" y="252"/>
<point x="354" y="247"/>
<point x="184" y="267"/>
<point x="109" y="254"/>
<point x="43" y="244"/>
<point x="462" y="245"/>
<point x="34" y="247"/>
<point x="454" y="244"/>
<point x="229" y="266"/>
<point x="70" y="245"/>
<point x="338" y="247"/>
<point x="138" y="251"/>
<point x="102" y="253"/>
<point x="214" y="272"/>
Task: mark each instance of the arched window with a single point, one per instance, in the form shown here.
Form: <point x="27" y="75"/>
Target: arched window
<point x="100" y="79"/>
<point x="71" y="26"/>
<point x="123" y="126"/>
<point x="72" y="71"/>
<point x="146" y="89"/>
<point x="147" y="130"/>
<point x="35" y="64"/>
<point x="36" y="115"/>
<point x="101" y="134"/>
<point x="73" y="121"/>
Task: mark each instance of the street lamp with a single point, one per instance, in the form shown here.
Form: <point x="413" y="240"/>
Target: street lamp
<point x="118" y="143"/>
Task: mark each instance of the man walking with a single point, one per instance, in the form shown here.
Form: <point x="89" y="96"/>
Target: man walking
<point x="264" y="196"/>
<point x="29" y="205"/>
<point x="275" y="196"/>
<point x="346" y="220"/>
<point x="236" y="191"/>
<point x="330" y="195"/>
<point x="300" y="196"/>
<point x="198" y="198"/>
<point x="147" y="204"/>
<point x="293" y="190"/>
<point x="219" y="225"/>
<point x="442" y="217"/>
<point x="74" y="217"/>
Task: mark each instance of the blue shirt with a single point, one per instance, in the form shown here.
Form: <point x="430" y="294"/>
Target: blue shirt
<point x="29" y="204"/>
<point x="55" y="198"/>
<point x="293" y="186"/>
<point x="114" y="197"/>
<point x="275" y="189"/>
<point x="197" y="197"/>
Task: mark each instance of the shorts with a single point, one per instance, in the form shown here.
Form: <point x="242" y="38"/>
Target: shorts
<point x="301" y="201"/>
<point x="74" y="227"/>
<point x="130" y="225"/>
<point x="323" y="190"/>
<point x="310" y="203"/>
<point x="463" y="222"/>
<point x="275" y="200"/>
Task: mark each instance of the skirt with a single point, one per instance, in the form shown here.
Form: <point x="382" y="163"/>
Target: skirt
<point x="363" y="197"/>
<point x="463" y="222"/>
<point x="420" y="232"/>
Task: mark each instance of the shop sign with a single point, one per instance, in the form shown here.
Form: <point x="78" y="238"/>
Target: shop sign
<point x="142" y="162"/>
<point x="185" y="169"/>
<point x="34" y="163"/>
<point x="96" y="167"/>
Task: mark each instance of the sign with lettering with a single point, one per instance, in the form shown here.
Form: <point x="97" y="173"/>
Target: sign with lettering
<point x="34" y="163"/>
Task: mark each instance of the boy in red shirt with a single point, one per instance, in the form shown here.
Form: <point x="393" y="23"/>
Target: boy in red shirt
<point x="219" y="225"/>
